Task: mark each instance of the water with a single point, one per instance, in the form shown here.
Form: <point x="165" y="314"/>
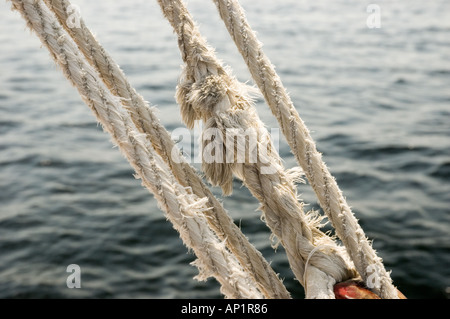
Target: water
<point x="376" y="100"/>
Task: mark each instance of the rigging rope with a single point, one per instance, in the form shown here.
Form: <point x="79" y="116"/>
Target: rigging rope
<point x="186" y="211"/>
<point x="207" y="91"/>
<point x="147" y="122"/>
<point x="304" y="149"/>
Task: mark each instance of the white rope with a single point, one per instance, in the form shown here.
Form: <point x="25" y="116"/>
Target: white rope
<point x="148" y="123"/>
<point x="303" y="147"/>
<point x="206" y="91"/>
<point x="188" y="204"/>
<point x="184" y="210"/>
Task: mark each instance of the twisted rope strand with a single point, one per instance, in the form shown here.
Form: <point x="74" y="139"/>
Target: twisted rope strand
<point x="304" y="149"/>
<point x="147" y="122"/>
<point x="206" y="91"/>
<point x="184" y="210"/>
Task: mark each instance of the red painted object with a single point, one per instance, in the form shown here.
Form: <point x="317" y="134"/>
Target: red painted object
<point x="354" y="289"/>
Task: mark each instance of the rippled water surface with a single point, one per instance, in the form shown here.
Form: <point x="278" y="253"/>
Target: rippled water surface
<point x="376" y="100"/>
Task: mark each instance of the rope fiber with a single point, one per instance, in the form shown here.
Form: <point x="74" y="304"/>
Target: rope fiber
<point x="208" y="92"/>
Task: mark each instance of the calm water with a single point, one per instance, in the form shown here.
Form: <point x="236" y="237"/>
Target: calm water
<point x="376" y="100"/>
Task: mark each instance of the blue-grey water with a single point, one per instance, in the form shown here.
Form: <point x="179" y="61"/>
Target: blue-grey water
<point x="377" y="101"/>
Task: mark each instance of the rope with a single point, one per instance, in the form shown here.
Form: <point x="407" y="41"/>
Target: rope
<point x="206" y="91"/>
<point x="303" y="147"/>
<point x="146" y="121"/>
<point x="186" y="211"/>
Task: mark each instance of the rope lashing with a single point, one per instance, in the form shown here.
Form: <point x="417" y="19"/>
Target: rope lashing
<point x="147" y="122"/>
<point x="208" y="92"/>
<point x="304" y="149"/>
